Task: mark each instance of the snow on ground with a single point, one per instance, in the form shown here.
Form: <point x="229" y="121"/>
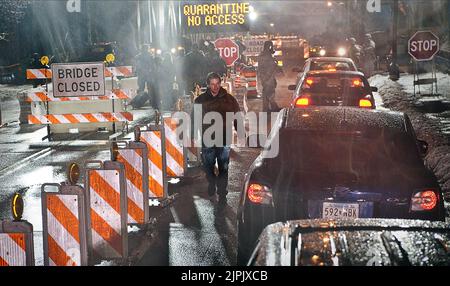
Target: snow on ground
<point x="399" y="96"/>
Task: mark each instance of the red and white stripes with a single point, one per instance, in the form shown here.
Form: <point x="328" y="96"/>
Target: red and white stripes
<point x="174" y="150"/>
<point x="12" y="250"/>
<point x="80" y="118"/>
<point x="63" y="239"/>
<point x="105" y="213"/>
<point x="155" y="163"/>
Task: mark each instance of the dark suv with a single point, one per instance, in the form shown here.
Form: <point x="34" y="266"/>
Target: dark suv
<point x="337" y="163"/>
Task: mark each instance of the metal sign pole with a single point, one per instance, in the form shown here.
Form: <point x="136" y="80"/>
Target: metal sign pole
<point x="112" y="89"/>
<point x="47" y="107"/>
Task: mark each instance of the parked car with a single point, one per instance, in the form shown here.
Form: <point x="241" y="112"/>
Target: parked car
<point x="337" y="163"/>
<point x="333" y="88"/>
<point x="358" y="242"/>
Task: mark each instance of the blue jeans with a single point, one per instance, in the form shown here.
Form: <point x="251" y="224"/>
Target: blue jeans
<point x="209" y="157"/>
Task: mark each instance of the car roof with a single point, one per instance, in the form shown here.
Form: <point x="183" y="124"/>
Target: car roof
<point x="331" y="59"/>
<point x="393" y="241"/>
<point x="327" y="72"/>
<point x="317" y="118"/>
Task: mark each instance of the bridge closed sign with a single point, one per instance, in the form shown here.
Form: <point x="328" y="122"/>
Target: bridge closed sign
<point x="78" y="79"/>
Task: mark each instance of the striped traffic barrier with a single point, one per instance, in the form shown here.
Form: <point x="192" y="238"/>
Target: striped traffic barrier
<point x="175" y="158"/>
<point x="80" y="118"/>
<point x="124" y="71"/>
<point x="39" y="73"/>
<point x="16" y="243"/>
<point x="42" y="96"/>
<point x="153" y="137"/>
<point x="251" y="85"/>
<point x="64" y="225"/>
<point x="133" y="155"/>
<point x="107" y="208"/>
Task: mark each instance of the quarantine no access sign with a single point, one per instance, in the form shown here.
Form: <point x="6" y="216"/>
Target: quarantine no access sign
<point x="78" y="79"/>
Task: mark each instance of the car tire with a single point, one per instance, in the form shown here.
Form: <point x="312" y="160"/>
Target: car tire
<point x="243" y="251"/>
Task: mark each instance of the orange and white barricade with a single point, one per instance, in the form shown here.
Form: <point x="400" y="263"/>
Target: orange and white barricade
<point x="123" y="71"/>
<point x="43" y="96"/>
<point x="16" y="243"/>
<point x="107" y="207"/>
<point x="39" y="73"/>
<point x="153" y="137"/>
<point x="134" y="157"/>
<point x="175" y="153"/>
<point x="80" y="118"/>
<point x="64" y="225"/>
<point x="251" y="85"/>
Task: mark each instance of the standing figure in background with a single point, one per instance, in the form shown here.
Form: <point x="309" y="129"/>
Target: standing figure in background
<point x="369" y="56"/>
<point x="267" y="70"/>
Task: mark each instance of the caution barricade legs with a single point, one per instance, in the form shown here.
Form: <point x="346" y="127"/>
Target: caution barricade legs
<point x="107" y="207"/>
<point x="16" y="243"/>
<point x="64" y="225"/>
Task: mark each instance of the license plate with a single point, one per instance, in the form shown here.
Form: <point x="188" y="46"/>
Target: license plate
<point x="333" y="82"/>
<point x="340" y="210"/>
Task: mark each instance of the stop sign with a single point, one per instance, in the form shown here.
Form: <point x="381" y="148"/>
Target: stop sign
<point x="228" y="49"/>
<point x="423" y="45"/>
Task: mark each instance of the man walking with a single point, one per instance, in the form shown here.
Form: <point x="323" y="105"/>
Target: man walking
<point x="216" y="100"/>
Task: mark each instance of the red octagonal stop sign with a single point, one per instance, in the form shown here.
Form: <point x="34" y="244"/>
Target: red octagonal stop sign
<point x="228" y="49"/>
<point x="423" y="45"/>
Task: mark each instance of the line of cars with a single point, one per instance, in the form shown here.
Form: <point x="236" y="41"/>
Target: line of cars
<point x="339" y="159"/>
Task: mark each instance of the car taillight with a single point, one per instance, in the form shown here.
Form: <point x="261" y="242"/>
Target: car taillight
<point x="302" y="102"/>
<point x="259" y="194"/>
<point x="365" y="103"/>
<point x="309" y="81"/>
<point x="424" y="200"/>
<point x="356" y="82"/>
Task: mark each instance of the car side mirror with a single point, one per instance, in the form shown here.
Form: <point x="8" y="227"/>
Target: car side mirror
<point x="292" y="87"/>
<point x="374" y="88"/>
<point x="296" y="69"/>
<point x="423" y="147"/>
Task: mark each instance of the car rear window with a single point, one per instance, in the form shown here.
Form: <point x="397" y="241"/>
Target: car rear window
<point x="331" y="65"/>
<point x="366" y="153"/>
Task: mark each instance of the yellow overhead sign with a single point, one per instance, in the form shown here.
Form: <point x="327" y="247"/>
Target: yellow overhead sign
<point x="215" y="14"/>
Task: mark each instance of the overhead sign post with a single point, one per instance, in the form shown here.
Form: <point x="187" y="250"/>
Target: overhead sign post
<point x="228" y="49"/>
<point x="423" y="45"/>
<point x="78" y="79"/>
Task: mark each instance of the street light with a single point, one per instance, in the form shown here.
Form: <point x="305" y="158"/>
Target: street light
<point x="394" y="70"/>
<point x="252" y="15"/>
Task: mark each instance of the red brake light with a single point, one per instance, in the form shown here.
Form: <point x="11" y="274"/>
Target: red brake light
<point x="309" y="81"/>
<point x="424" y="201"/>
<point x="302" y="102"/>
<point x="356" y="82"/>
<point x="259" y="194"/>
<point x="365" y="103"/>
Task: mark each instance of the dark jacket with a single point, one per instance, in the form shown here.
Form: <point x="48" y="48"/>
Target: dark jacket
<point x="267" y="69"/>
<point x="222" y="103"/>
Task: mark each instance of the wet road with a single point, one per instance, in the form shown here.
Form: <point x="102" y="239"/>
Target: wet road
<point x="191" y="231"/>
